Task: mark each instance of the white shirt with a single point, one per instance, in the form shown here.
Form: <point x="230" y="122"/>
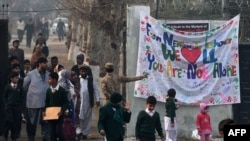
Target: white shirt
<point x="20" y="25"/>
<point x="54" y="89"/>
<point x="151" y="113"/>
<point x="84" y="88"/>
<point x="85" y="108"/>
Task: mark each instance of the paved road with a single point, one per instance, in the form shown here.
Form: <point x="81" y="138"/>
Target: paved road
<point x="58" y="49"/>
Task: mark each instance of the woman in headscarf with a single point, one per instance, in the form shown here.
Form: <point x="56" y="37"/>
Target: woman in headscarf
<point x="64" y="81"/>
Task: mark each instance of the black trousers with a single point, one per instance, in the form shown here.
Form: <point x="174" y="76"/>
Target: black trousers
<point x="28" y="39"/>
<point x="147" y="138"/>
<point x="60" y="35"/>
<point x="20" y="35"/>
<point x="56" y="130"/>
<point x="12" y="122"/>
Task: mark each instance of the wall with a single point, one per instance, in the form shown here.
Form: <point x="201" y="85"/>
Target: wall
<point x="186" y="115"/>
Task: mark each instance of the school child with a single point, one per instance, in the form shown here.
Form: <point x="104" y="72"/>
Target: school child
<point x="203" y="124"/>
<point x="13" y="98"/>
<point x="56" y="96"/>
<point x="17" y="68"/>
<point x="112" y="117"/>
<point x="170" y="118"/>
<point x="27" y="67"/>
<point x="148" y="121"/>
<point x="222" y="124"/>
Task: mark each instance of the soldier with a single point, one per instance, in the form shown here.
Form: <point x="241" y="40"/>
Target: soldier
<point x="110" y="82"/>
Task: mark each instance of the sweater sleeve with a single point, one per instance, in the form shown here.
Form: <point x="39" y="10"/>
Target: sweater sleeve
<point x="170" y="105"/>
<point x="172" y="111"/>
<point x="5" y="94"/>
<point x="101" y="120"/>
<point x="65" y="102"/>
<point x="126" y="116"/>
<point x="47" y="99"/>
<point x="158" y="126"/>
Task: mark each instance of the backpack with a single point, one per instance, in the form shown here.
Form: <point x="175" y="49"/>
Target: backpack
<point x="68" y="128"/>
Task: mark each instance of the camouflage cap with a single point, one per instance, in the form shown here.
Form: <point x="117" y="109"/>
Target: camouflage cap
<point x="109" y="65"/>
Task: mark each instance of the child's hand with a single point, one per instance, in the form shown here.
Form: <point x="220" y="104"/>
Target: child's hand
<point x="172" y="125"/>
<point x="102" y="132"/>
<point x="127" y="106"/>
<point x="59" y="114"/>
<point x="66" y="113"/>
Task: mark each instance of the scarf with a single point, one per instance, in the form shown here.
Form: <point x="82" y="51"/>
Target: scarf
<point x="91" y="91"/>
<point x="118" y="115"/>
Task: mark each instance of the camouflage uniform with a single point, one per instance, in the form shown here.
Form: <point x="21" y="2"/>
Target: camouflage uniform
<point x="111" y="83"/>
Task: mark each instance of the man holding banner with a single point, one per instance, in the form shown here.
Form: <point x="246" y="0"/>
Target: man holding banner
<point x="111" y="82"/>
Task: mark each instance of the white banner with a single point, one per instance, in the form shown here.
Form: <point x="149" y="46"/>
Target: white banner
<point x="200" y="66"/>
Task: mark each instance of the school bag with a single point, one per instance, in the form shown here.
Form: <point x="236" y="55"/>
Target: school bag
<point x="68" y="129"/>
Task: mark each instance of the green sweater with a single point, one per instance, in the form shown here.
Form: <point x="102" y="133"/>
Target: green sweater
<point x="112" y="117"/>
<point x="146" y="125"/>
<point x="13" y="96"/>
<point x="170" y="108"/>
<point x="57" y="99"/>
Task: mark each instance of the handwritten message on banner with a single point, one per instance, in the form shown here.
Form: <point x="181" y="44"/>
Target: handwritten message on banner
<point x="200" y="66"/>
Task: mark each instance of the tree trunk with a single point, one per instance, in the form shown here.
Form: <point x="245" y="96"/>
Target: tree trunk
<point x="73" y="39"/>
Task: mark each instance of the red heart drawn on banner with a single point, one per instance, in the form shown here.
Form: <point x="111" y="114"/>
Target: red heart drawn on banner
<point x="191" y="55"/>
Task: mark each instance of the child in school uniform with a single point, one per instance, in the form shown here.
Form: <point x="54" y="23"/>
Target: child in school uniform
<point x="13" y="98"/>
<point x="112" y="117"/>
<point x="170" y="118"/>
<point x="203" y="123"/>
<point x="148" y="121"/>
<point x="56" y="96"/>
<point x="26" y="67"/>
<point x="17" y="68"/>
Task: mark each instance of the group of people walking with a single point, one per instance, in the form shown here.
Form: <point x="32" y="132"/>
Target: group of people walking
<point x="36" y="26"/>
<point x="31" y="28"/>
<point x="34" y="86"/>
